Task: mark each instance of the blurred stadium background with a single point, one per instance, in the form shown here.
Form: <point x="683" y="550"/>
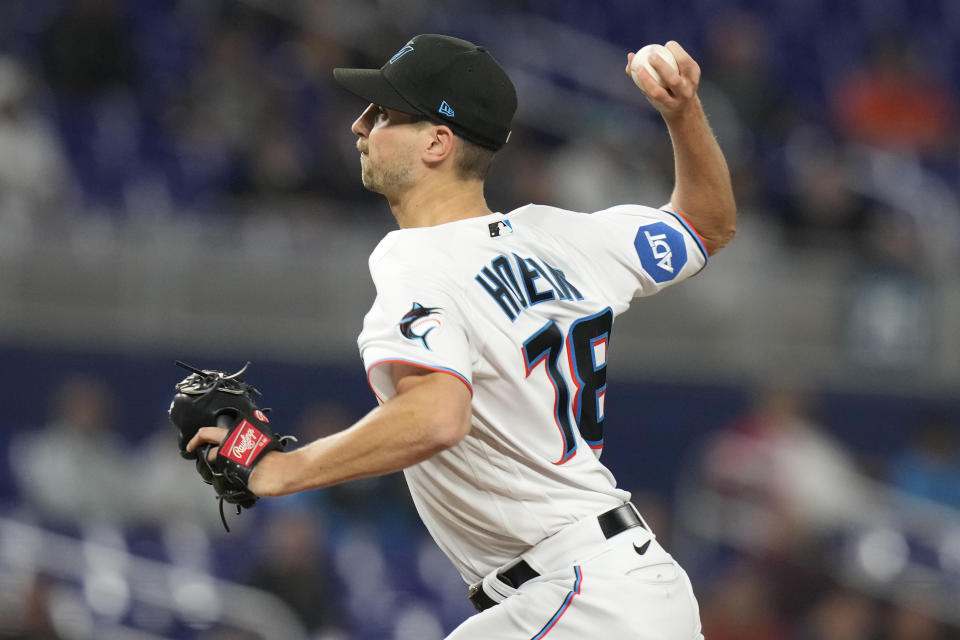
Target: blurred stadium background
<point x="178" y="180"/>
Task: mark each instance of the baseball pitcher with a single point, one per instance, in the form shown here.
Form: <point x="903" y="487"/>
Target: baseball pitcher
<point x="487" y="347"/>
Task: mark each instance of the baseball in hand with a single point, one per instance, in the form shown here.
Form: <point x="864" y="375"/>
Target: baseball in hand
<point x="642" y="60"/>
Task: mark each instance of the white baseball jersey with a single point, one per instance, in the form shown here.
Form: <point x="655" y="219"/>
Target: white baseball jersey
<point x="520" y="308"/>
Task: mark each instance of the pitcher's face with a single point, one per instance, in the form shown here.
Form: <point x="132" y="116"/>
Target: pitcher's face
<point x="388" y="142"/>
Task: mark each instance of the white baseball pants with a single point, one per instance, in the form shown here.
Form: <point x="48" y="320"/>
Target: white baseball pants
<point x="618" y="589"/>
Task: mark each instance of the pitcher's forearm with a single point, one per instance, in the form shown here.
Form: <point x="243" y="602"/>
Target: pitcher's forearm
<point x="703" y="193"/>
<point x="427" y="416"/>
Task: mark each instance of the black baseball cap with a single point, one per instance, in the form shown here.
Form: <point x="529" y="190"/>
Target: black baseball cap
<point x="445" y="79"/>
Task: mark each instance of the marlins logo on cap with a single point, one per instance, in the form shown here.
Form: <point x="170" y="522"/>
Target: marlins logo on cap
<point x="446" y="80"/>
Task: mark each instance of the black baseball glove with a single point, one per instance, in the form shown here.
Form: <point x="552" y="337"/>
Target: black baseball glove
<point x="212" y="398"/>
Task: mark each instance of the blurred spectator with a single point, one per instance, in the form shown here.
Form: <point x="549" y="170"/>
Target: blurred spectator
<point x="741" y="93"/>
<point x="292" y="566"/>
<point x="381" y="505"/>
<point x="227" y="633"/>
<point x="35" y="622"/>
<point x="167" y="489"/>
<point x="33" y="169"/>
<point x="89" y="62"/>
<point x="530" y="173"/>
<point x="739" y="606"/>
<point x="895" y="104"/>
<point x="739" y="65"/>
<point x="216" y="123"/>
<point x="841" y="615"/>
<point x="274" y="165"/>
<point x="912" y="623"/>
<point x="930" y="466"/>
<point x="74" y="469"/>
<point x="598" y="170"/>
<point x="789" y="481"/>
<point x="823" y="207"/>
<point x="890" y="319"/>
<point x="87" y="50"/>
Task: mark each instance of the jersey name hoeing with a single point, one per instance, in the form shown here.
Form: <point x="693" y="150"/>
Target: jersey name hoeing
<point x="513" y="283"/>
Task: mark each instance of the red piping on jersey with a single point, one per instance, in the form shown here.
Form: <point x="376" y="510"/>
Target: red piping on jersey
<point x="416" y="364"/>
<point x="692" y="228"/>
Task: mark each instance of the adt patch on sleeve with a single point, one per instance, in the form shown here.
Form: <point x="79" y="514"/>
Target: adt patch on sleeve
<point x="662" y="251"/>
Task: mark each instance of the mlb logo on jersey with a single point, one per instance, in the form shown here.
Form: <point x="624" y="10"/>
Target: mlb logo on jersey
<point x="662" y="251"/>
<point x="499" y="228"/>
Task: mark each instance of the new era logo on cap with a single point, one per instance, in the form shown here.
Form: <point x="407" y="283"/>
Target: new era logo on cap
<point x="446" y="109"/>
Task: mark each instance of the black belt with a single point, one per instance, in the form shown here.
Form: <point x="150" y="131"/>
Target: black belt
<point x="611" y="523"/>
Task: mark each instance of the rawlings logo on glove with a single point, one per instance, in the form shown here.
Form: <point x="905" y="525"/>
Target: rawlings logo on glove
<point x="208" y="398"/>
<point x="244" y="438"/>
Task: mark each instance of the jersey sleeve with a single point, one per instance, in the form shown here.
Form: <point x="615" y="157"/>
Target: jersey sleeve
<point x="415" y="319"/>
<point x="658" y="247"/>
